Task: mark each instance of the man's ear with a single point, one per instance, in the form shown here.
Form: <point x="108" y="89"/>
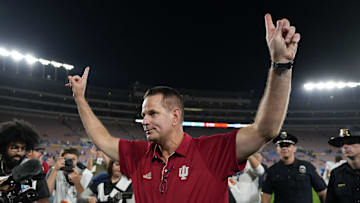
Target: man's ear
<point x="29" y="153"/>
<point x="176" y="112"/>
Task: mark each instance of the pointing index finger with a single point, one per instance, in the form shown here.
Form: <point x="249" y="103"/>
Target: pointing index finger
<point x="269" y="25"/>
<point x="86" y="73"/>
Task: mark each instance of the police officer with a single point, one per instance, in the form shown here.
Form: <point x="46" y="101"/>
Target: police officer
<point x="344" y="183"/>
<point x="291" y="179"/>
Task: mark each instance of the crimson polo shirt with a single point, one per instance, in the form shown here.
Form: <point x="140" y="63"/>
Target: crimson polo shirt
<point x="196" y="172"/>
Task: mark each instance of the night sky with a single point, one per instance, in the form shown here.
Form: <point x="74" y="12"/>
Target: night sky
<point x="212" y="45"/>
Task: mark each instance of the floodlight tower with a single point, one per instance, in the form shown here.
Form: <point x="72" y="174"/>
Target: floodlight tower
<point x="330" y="85"/>
<point x="17" y="57"/>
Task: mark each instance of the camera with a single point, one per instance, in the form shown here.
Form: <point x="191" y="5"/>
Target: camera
<point x="120" y="196"/>
<point x="18" y="191"/>
<point x="20" y="185"/>
<point x="68" y="165"/>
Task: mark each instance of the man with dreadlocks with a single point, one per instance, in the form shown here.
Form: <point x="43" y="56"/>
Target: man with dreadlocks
<point x="17" y="137"/>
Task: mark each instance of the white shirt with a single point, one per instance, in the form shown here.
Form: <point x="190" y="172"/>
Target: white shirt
<point x="66" y="193"/>
<point x="329" y="166"/>
<point x="245" y="186"/>
<point x="326" y="175"/>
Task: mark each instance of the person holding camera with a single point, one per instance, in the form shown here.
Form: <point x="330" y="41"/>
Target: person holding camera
<point x="17" y="137"/>
<point x="68" y="178"/>
<point x="110" y="186"/>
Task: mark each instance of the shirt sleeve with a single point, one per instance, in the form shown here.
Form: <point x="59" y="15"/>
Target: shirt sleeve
<point x="93" y="187"/>
<point x="96" y="180"/>
<point x="317" y="182"/>
<point x="219" y="153"/>
<point x="258" y="171"/>
<point x="86" y="178"/>
<point x="267" y="186"/>
<point x="130" y="153"/>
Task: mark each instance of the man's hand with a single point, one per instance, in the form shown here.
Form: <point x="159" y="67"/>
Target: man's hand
<point x="93" y="151"/>
<point x="92" y="200"/>
<point x="75" y="177"/>
<point x="60" y="162"/>
<point x="78" y="84"/>
<point x="258" y="157"/>
<point x="282" y="40"/>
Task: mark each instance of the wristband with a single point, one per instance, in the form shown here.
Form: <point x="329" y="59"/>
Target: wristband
<point x="277" y="65"/>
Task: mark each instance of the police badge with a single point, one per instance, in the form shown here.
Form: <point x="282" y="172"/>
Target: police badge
<point x="302" y="169"/>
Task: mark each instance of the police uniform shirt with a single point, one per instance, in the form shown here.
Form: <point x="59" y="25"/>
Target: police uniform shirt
<point x="344" y="185"/>
<point x="41" y="185"/>
<point x="292" y="183"/>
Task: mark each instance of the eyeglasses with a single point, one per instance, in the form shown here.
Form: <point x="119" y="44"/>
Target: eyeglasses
<point x="41" y="151"/>
<point x="16" y="148"/>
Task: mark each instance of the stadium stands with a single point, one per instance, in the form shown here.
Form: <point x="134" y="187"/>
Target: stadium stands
<point x="50" y="107"/>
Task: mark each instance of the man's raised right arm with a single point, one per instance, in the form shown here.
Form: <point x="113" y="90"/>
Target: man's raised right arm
<point x="93" y="127"/>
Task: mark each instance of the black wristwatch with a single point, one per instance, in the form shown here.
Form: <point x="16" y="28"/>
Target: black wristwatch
<point x="277" y="65"/>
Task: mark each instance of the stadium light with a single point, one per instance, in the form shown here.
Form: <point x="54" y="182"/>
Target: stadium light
<point x="44" y="62"/>
<point x="17" y="56"/>
<point x="56" y="64"/>
<point x="30" y="59"/>
<point x="208" y="125"/>
<point x="67" y="66"/>
<point x="330" y="85"/>
<point x="4" y="52"/>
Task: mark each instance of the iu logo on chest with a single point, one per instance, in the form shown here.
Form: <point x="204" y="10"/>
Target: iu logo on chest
<point x="183" y="172"/>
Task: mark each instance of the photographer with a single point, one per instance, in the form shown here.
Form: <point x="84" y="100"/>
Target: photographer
<point x="110" y="186"/>
<point x="68" y="178"/>
<point x="17" y="137"/>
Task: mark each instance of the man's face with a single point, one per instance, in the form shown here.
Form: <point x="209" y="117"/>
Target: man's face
<point x="73" y="157"/>
<point x="116" y="169"/>
<point x="157" y="120"/>
<point x="35" y="154"/>
<point x="50" y="161"/>
<point x="98" y="154"/>
<point x="351" y="150"/>
<point x="15" y="153"/>
<point x="286" y="151"/>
